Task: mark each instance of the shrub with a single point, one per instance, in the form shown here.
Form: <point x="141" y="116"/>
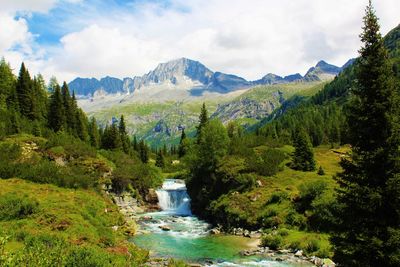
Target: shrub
<point x="321" y="171"/>
<point x="308" y="192"/>
<point x="297" y="220"/>
<point x="312" y="245"/>
<point x="277" y="197"/>
<point x="283" y="232"/>
<point x="268" y="163"/>
<point x="13" y="207"/>
<point x="87" y="257"/>
<point x="273" y="241"/>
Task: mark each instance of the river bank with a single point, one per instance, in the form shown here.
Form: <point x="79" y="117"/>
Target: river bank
<point x="172" y="232"/>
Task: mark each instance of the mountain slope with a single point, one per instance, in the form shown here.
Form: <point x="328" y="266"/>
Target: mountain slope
<point x="191" y="76"/>
<point x="181" y="73"/>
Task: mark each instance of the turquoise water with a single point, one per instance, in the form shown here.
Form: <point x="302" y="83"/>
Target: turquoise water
<point x="188" y="238"/>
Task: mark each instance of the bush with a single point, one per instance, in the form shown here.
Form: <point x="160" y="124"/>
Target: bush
<point x="312" y="245"/>
<point x="268" y="164"/>
<point x="277" y="197"/>
<point x="87" y="257"/>
<point x="297" y="220"/>
<point x="13" y="207"/>
<point x="321" y="171"/>
<point x="308" y="192"/>
<point x="273" y="241"/>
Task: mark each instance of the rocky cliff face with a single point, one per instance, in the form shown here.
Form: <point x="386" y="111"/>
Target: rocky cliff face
<point x="189" y="75"/>
<point x="182" y="73"/>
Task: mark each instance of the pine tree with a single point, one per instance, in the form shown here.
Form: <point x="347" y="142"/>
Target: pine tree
<point x="81" y="125"/>
<point x="160" y="161"/>
<point x="135" y="143"/>
<point x="368" y="228"/>
<point x="7" y="84"/>
<point x="143" y="151"/>
<point x="203" y="119"/>
<point x="56" y="116"/>
<point x="303" y="156"/>
<point x="24" y="93"/>
<point x="39" y="87"/>
<point x="182" y="145"/>
<point x="123" y="135"/>
<point x="94" y="134"/>
<point x="71" y="113"/>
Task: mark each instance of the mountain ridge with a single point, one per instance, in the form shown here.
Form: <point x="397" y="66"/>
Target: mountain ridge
<point x="194" y="76"/>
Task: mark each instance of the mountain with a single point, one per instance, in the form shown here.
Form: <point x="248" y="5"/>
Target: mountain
<point x="323" y="71"/>
<point x="160" y="103"/>
<point x="182" y="73"/>
<point x="192" y="76"/>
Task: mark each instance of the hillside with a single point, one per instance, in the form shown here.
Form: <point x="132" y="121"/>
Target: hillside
<point x="158" y="110"/>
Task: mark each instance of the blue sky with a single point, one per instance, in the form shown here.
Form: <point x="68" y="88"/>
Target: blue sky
<point x="250" y="38"/>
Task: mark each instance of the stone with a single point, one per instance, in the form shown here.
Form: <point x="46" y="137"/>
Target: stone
<point x="246" y="233"/>
<point x="215" y="231"/>
<point x="152" y="197"/>
<point x="165" y="227"/>
<point x="299" y="253"/>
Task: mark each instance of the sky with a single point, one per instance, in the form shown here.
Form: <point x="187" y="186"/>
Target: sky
<point x="249" y="38"/>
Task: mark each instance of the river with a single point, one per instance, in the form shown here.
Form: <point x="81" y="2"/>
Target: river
<point x="175" y="233"/>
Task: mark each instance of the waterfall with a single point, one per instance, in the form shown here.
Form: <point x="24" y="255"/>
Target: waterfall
<point x="173" y="197"/>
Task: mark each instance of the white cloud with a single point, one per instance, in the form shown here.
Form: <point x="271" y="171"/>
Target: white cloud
<point x="12" y="6"/>
<point x="244" y="37"/>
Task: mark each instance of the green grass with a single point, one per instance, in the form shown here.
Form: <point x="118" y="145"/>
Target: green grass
<point x="273" y="204"/>
<point x="83" y="218"/>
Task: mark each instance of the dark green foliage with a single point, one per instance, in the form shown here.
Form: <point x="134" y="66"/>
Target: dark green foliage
<point x="203" y="119"/>
<point x="70" y="110"/>
<point x="56" y="114"/>
<point x="124" y="135"/>
<point x="13" y="207"/>
<point x="111" y="138"/>
<point x="93" y="131"/>
<point x="143" y="151"/>
<point x="308" y="193"/>
<point x="303" y="156"/>
<point x="368" y="217"/>
<point x="183" y="144"/>
<point x="211" y="149"/>
<point x="272" y="240"/>
<point x="321" y="171"/>
<point x="7" y="86"/>
<point x="160" y="161"/>
<point x="24" y="92"/>
<point x="131" y="171"/>
<point x="268" y="163"/>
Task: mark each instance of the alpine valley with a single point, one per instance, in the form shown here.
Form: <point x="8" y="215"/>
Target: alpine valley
<point x="159" y="104"/>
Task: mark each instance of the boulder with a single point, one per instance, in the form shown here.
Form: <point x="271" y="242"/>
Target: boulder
<point x="151" y="196"/>
<point x="165" y="227"/>
<point x="215" y="231"/>
<point x="299" y="253"/>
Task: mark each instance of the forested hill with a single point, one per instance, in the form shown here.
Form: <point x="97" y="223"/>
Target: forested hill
<point x="322" y="114"/>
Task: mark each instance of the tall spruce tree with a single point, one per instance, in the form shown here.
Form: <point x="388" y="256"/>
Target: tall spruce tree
<point x="160" y="161"/>
<point x="123" y="135"/>
<point x="94" y="135"/>
<point x="24" y="93"/>
<point x="71" y="115"/>
<point x="203" y="119"/>
<point x="303" y="156"/>
<point x="182" y="144"/>
<point x="7" y="83"/>
<point x="56" y="116"/>
<point x="368" y="228"/>
<point x="143" y="151"/>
